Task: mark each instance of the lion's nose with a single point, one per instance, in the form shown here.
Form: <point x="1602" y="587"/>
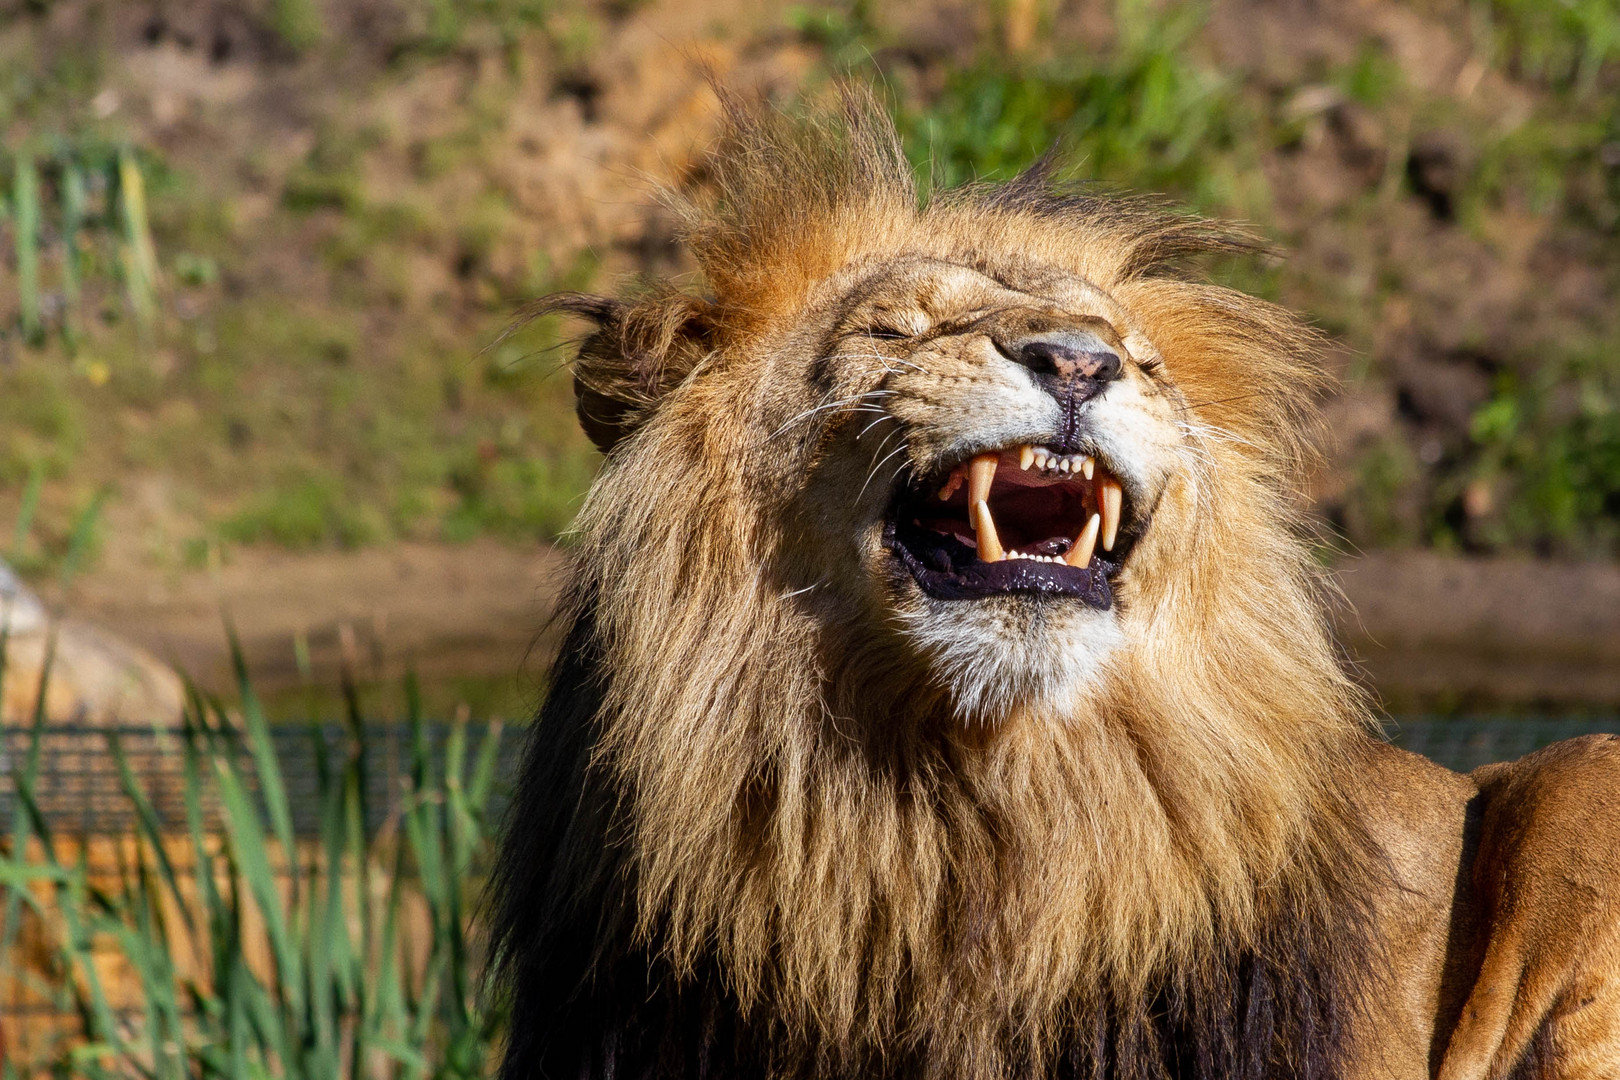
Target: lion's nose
<point x="1078" y="360"/>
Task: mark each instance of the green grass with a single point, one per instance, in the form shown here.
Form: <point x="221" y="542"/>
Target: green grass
<point x="1565" y="43"/>
<point x="1548" y="452"/>
<point x="1144" y="114"/>
<point x="372" y="967"/>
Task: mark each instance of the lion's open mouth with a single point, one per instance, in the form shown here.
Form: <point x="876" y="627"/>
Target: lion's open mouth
<point x="1024" y="520"/>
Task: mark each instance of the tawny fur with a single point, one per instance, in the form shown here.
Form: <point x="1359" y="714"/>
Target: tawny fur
<point x="793" y="803"/>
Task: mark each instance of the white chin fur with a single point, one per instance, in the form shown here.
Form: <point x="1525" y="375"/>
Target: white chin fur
<point x="1012" y="653"/>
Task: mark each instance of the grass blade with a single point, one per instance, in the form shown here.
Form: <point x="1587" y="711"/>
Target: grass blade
<point x="74" y="202"/>
<point x="30" y="505"/>
<point x="150" y="828"/>
<point x="83" y="539"/>
<point x="25" y="201"/>
<point x="138" y="254"/>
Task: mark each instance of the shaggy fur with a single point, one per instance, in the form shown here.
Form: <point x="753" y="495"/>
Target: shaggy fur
<point x="767" y="826"/>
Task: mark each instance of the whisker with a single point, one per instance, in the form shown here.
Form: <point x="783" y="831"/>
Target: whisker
<point x="1225" y="401"/>
<point x="880" y="465"/>
<point x="875" y="423"/>
<point x="1213" y="434"/>
<point x="811" y="412"/>
<point x="880" y="358"/>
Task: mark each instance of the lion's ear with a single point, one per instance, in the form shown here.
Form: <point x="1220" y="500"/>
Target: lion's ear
<point x="636" y="355"/>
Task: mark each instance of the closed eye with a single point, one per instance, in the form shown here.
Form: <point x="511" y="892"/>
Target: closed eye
<point x="887" y="333"/>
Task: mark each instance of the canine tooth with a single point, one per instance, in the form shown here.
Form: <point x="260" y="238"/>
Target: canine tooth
<point x="1110" y="496"/>
<point x="1084" y="544"/>
<point x="1088" y="467"/>
<point x="1026" y="456"/>
<point x="984" y="528"/>
<point x="981" y="474"/>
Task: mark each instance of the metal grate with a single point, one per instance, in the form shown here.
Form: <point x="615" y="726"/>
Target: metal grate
<point x="79" y="791"/>
<point x="1465" y="743"/>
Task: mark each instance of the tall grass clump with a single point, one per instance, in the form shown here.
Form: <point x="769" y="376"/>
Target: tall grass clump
<point x="77" y="213"/>
<point x="230" y="945"/>
<point x="1143" y="114"/>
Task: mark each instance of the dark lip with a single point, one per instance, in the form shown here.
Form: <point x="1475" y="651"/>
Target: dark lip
<point x="947" y="569"/>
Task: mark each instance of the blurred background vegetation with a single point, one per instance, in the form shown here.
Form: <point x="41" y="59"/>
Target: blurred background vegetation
<point x="249" y="252"/>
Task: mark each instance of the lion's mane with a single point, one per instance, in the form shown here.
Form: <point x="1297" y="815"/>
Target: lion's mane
<point x="738" y="848"/>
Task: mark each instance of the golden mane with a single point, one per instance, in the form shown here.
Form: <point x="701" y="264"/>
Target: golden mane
<point x="722" y="780"/>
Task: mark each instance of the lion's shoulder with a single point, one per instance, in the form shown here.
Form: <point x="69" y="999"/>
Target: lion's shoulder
<point x="1546" y="880"/>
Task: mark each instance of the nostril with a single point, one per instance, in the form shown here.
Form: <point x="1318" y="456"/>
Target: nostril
<point x="1104" y="365"/>
<point x="1046" y="357"/>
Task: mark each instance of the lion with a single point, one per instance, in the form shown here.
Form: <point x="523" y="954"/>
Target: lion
<point x="945" y="687"/>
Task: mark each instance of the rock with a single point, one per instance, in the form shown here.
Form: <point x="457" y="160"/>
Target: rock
<point x="95" y="677"/>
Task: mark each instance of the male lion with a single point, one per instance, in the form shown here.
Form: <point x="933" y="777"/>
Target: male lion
<point x="945" y="690"/>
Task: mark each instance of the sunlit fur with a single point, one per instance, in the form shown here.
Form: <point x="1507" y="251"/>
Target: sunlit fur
<point x="961" y="843"/>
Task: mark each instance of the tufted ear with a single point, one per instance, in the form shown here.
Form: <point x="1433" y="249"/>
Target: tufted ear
<point x="637" y="353"/>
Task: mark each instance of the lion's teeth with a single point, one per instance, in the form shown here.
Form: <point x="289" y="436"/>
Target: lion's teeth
<point x="1067" y="464"/>
<point x="984" y="528"/>
<point x="1110" y="497"/>
<point x="1045" y="460"/>
<point x="951" y="485"/>
<point x="981" y="474"/>
<point x="1084" y="544"/>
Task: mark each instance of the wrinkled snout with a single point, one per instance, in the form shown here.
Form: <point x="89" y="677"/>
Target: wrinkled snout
<point x="1074" y="360"/>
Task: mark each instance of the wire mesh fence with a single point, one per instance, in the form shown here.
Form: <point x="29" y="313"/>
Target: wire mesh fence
<point x="79" y="792"/>
<point x="1466" y="743"/>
